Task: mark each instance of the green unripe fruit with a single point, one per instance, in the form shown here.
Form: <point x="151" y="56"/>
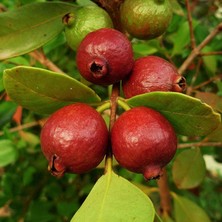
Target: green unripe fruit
<point x="85" y="20"/>
<point x="146" y="19"/>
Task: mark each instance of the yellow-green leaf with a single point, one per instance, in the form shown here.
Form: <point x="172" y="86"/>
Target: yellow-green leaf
<point x="113" y="198"/>
<point x="44" y="91"/>
<point x="188" y="115"/>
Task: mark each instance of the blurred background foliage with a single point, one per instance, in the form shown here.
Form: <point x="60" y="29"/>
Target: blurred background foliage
<point x="29" y="193"/>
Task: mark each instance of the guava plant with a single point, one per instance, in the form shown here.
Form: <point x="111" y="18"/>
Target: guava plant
<point x="146" y="112"/>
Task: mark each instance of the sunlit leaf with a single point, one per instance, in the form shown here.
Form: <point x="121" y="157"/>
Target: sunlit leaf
<point x="31" y="26"/>
<point x="113" y="198"/>
<point x="8" y="153"/>
<point x="188" y="115"/>
<point x="186" y="210"/>
<point x="184" y="175"/>
<point x="44" y="91"/>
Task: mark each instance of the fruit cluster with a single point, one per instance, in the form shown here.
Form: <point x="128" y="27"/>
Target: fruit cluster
<point x="75" y="138"/>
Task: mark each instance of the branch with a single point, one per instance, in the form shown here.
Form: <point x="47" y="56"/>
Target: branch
<point x="40" y="57"/>
<point x="189" y="16"/>
<point x="199" y="144"/>
<point x="196" y="51"/>
<point x="165" y="197"/>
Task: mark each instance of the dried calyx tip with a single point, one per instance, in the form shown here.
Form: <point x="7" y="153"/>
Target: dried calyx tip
<point x="98" y="68"/>
<point x="55" y="167"/>
<point x="68" y="19"/>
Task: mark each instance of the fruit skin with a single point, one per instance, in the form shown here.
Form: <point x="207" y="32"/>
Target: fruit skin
<point x="143" y="141"/>
<point x="153" y="73"/>
<point x="74" y="139"/>
<point x="146" y="19"/>
<point x="105" y="56"/>
<point x="85" y="20"/>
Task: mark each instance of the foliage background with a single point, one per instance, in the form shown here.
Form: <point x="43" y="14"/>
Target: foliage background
<point x="29" y="193"/>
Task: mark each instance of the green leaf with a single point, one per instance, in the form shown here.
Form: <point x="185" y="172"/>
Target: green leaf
<point x="44" y="91"/>
<point x="210" y="62"/>
<point x="8" y="153"/>
<point x="113" y="198"/>
<point x="186" y="210"/>
<point x="189" y="169"/>
<point x="188" y="115"/>
<point x="215" y="136"/>
<point x="7" y="109"/>
<point x="31" y="26"/>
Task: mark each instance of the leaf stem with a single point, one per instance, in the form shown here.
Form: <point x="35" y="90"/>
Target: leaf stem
<point x="106" y="105"/>
<point x="123" y="104"/>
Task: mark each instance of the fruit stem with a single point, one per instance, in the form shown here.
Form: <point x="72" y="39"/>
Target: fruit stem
<point x="106" y="105"/>
<point x="123" y="104"/>
<point x="113" y="102"/>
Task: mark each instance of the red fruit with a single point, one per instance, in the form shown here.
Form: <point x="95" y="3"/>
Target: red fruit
<point x="105" y="56"/>
<point x="143" y="141"/>
<point x="152" y="73"/>
<point x="74" y="139"/>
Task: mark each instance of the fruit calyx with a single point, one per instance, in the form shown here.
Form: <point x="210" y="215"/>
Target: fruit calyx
<point x="180" y="84"/>
<point x="55" y="166"/>
<point x="152" y="173"/>
<point x="99" y="68"/>
<point x="68" y="19"/>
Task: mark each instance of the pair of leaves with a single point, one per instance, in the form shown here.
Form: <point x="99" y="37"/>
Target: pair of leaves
<point x="30" y="27"/>
<point x="113" y="198"/>
<point x="45" y="91"/>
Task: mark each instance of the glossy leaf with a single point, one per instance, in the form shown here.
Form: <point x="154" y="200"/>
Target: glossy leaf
<point x="186" y="210"/>
<point x="189" y="169"/>
<point x="31" y="26"/>
<point x="44" y="91"/>
<point x="8" y="153"/>
<point x="113" y="198"/>
<point x="188" y="115"/>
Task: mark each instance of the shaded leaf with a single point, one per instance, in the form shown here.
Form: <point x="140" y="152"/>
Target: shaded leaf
<point x="189" y="169"/>
<point x="214" y="100"/>
<point x="188" y="115"/>
<point x="7" y="109"/>
<point x="113" y="198"/>
<point x="210" y="62"/>
<point x="44" y="91"/>
<point x="8" y="153"/>
<point x="216" y="135"/>
<point x="31" y="26"/>
<point x="186" y="210"/>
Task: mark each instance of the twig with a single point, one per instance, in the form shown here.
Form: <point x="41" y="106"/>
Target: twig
<point x="189" y="16"/>
<point x="199" y="144"/>
<point x="40" y="57"/>
<point x="164" y="191"/>
<point x="24" y="126"/>
<point x="196" y="51"/>
<point x="218" y="77"/>
<point x="210" y="53"/>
